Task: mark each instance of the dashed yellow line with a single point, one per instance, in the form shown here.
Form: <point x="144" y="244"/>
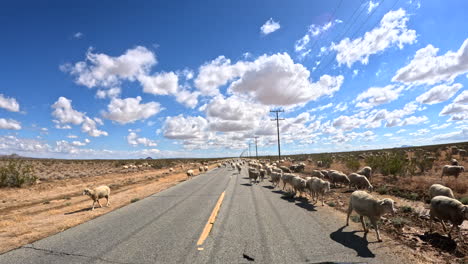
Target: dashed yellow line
<point x="210" y="223"/>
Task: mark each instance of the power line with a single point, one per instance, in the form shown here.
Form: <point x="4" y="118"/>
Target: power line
<point x="277" y="129"/>
<point x="256" y="151"/>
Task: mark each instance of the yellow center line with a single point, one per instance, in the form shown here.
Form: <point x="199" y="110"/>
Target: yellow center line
<point x="211" y="220"/>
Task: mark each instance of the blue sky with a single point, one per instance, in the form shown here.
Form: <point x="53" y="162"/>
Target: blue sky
<point x="117" y="79"/>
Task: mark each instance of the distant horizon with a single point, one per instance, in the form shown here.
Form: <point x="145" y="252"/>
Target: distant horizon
<point x="119" y="80"/>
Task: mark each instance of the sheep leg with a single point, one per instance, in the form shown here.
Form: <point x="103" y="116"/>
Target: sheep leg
<point x="99" y="203"/>
<point x="93" y="205"/>
<point x="443" y="225"/>
<point x="323" y="198"/>
<point x="450" y="232"/>
<point x="350" y="210"/>
<point x="374" y="223"/>
<point x="107" y="204"/>
<point x="363" y="225"/>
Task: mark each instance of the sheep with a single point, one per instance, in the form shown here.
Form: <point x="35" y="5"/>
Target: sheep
<point x="253" y="175"/>
<point x="318" y="187"/>
<point x="298" y="184"/>
<point x="239" y="168"/>
<point x="97" y="193"/>
<point x="445" y="208"/>
<point x="189" y="174"/>
<point x="297" y="167"/>
<point x="366" y="171"/>
<point x="125" y="167"/>
<point x="200" y="169"/>
<point x="366" y="205"/>
<point x="318" y="174"/>
<point x="285" y="169"/>
<point x="319" y="163"/>
<point x="171" y="169"/>
<point x="338" y="177"/>
<point x="275" y="178"/>
<point x="359" y="181"/>
<point x="262" y="174"/>
<point x="462" y="153"/>
<point x="205" y="168"/>
<point x="440" y="190"/>
<point x="287" y="178"/>
<point x="454" y="162"/>
<point x="452" y="171"/>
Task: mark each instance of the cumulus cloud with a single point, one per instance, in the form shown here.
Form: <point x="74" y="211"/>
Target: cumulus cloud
<point x="457" y="135"/>
<point x="270" y="26"/>
<point x="9" y="104"/>
<point x="89" y="126"/>
<point x="78" y="35"/>
<point x="462" y="98"/>
<point x="439" y="94"/>
<point x="109" y="93"/>
<point x="9" y="124"/>
<point x="187" y="98"/>
<point x="314" y="30"/>
<point x="392" y="31"/>
<point x="277" y="80"/>
<point x="64" y="112"/>
<point x="160" y="84"/>
<point x="375" y="96"/>
<point x="371" y="6"/>
<point x="129" y="110"/>
<point x="428" y="68"/>
<point x="77" y="143"/>
<point x="103" y="70"/>
<point x="134" y="140"/>
<point x="420" y="132"/>
<point x="180" y="127"/>
<point x="456" y="110"/>
<point x="217" y="73"/>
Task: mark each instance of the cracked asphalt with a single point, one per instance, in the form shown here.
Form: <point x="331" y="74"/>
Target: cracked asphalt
<point x="255" y="224"/>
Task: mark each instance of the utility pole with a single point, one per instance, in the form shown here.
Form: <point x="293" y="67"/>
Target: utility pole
<point x="250" y="156"/>
<point x="277" y="129"/>
<point x="256" y="152"/>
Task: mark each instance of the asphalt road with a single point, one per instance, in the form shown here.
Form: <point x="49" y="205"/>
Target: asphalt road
<point x="255" y="224"/>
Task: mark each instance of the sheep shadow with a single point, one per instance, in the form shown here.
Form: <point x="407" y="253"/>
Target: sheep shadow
<point x="268" y="187"/>
<point x="348" y="191"/>
<point x="79" y="211"/>
<point x="439" y="241"/>
<point x="353" y="241"/>
<point x="246" y="184"/>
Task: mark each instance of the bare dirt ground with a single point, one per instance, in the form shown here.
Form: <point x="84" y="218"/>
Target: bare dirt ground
<point x="53" y="205"/>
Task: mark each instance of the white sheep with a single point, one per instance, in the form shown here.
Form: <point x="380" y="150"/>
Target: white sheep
<point x="97" y="193"/>
<point x="439" y="189"/>
<point x="253" y="175"/>
<point x="449" y="170"/>
<point x="205" y="168"/>
<point x="338" y="177"/>
<point x="171" y="169"/>
<point x="454" y="162"/>
<point x="318" y="174"/>
<point x="287" y="178"/>
<point x="366" y="205"/>
<point x="359" y="181"/>
<point x="298" y="184"/>
<point x="200" y="169"/>
<point x="285" y="169"/>
<point x="366" y="171"/>
<point x="318" y="187"/>
<point x="275" y="178"/>
<point x="262" y="174"/>
<point x="189" y="174"/>
<point x="445" y="208"/>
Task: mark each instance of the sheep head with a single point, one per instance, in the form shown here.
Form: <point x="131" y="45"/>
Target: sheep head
<point x="465" y="212"/>
<point x="87" y="192"/>
<point x="387" y="206"/>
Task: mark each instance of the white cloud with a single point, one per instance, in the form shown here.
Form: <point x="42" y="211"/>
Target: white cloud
<point x="457" y="135"/>
<point x="9" y="104"/>
<point x="109" y="93"/>
<point x="435" y="126"/>
<point x="414" y="120"/>
<point x="277" y="80"/>
<point x="77" y="143"/>
<point x="270" y="26"/>
<point x="341" y="107"/>
<point x="72" y="136"/>
<point x="321" y="108"/>
<point x="89" y="126"/>
<point x="462" y="98"/>
<point x="392" y="31"/>
<point x="439" y="94"/>
<point x="420" y="132"/>
<point x="456" y="110"/>
<point x="78" y="35"/>
<point x="348" y="122"/>
<point x="9" y="124"/>
<point x="375" y="96"/>
<point x="134" y="140"/>
<point x="103" y="70"/>
<point x="372" y="6"/>
<point x="388" y="135"/>
<point x="180" y="127"/>
<point x="65" y="113"/>
<point x="217" y="73"/>
<point x="187" y="98"/>
<point x="129" y="110"/>
<point x="401" y="131"/>
<point x="160" y="84"/>
<point x="428" y="68"/>
<point x="313" y="31"/>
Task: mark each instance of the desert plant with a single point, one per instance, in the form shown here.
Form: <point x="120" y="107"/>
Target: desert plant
<point x="331" y="204"/>
<point x="399" y="222"/>
<point x="464" y="200"/>
<point x="353" y="164"/>
<point x="16" y="174"/>
<point x="406" y="209"/>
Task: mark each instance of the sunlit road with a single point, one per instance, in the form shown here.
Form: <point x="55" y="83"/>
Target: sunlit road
<point x="254" y="224"/>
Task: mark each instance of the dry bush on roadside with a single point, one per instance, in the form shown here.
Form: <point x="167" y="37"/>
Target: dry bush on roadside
<point x="16" y="174"/>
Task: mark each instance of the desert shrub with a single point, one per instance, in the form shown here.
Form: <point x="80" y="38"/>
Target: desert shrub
<point x="16" y="174"/>
<point x="382" y="189"/>
<point x="406" y="209"/>
<point x="464" y="200"/>
<point x="326" y="159"/>
<point x="67" y="204"/>
<point x="389" y="164"/>
<point x="399" y="222"/>
<point x="134" y="200"/>
<point x="331" y="204"/>
<point x="353" y="164"/>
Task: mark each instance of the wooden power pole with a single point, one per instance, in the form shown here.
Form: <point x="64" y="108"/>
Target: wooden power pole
<point x="277" y="129"/>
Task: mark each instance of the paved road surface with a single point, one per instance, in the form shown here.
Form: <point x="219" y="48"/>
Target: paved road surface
<point x="255" y="224"/>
